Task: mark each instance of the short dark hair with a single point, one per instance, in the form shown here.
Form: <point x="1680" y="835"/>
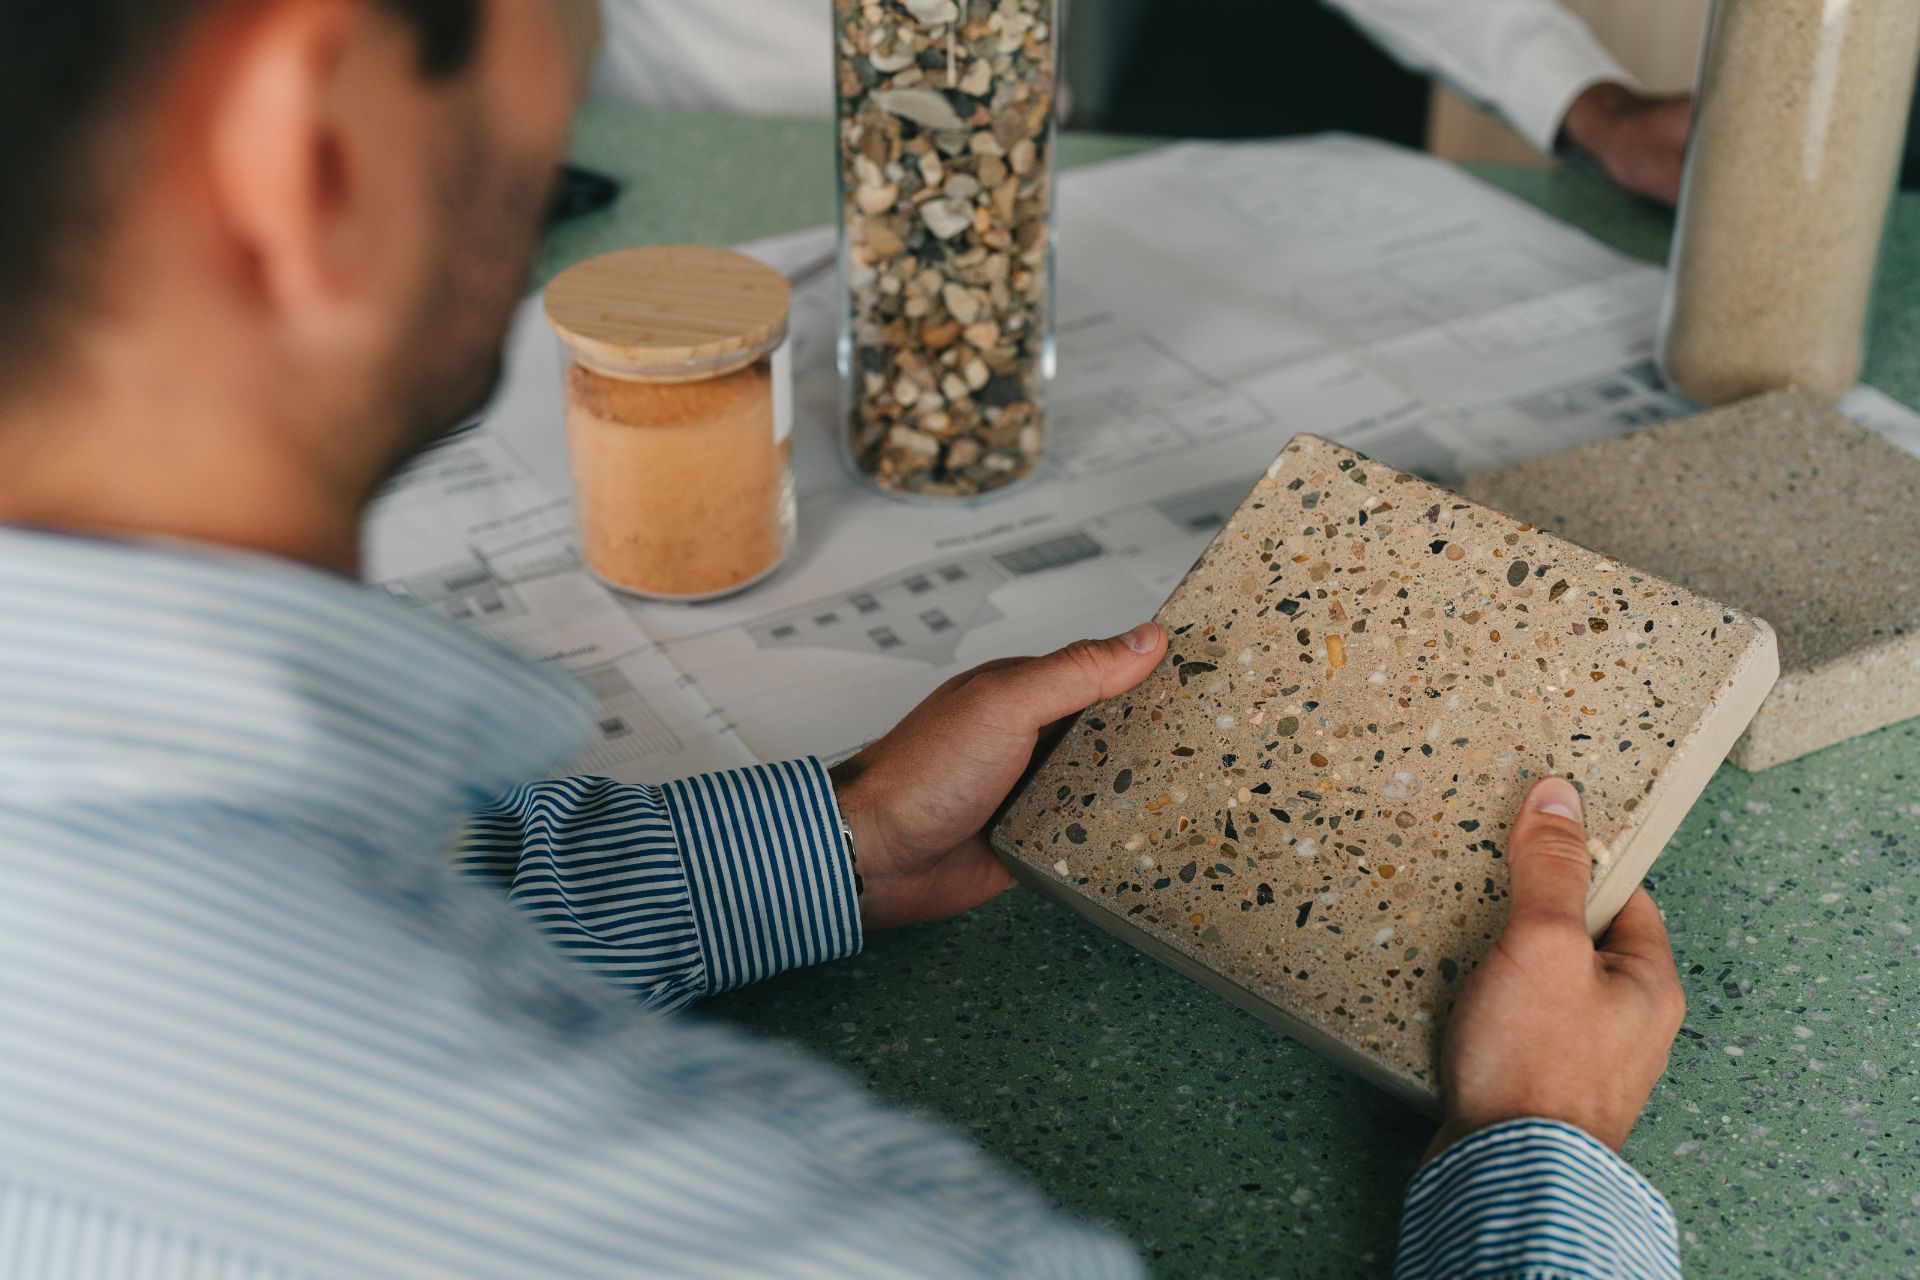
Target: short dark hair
<point x="66" y="68"/>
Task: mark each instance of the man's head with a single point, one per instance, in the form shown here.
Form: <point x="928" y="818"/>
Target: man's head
<point x="280" y="236"/>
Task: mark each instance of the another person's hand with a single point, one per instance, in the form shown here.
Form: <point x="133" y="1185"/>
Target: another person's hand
<point x="918" y="800"/>
<point x="1639" y="141"/>
<point x="1551" y="1025"/>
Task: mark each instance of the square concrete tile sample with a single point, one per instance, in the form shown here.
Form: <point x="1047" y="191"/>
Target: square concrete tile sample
<point x="1306" y="806"/>
<point x="1777" y="505"/>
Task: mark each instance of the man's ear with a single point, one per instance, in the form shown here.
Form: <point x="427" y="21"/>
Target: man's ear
<point x="296" y="87"/>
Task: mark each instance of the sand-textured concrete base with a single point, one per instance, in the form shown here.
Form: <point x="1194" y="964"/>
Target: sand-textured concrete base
<point x="1306" y="806"/>
<point x="1783" y="508"/>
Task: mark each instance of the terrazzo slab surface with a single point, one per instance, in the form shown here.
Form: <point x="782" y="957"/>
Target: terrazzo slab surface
<point x="1135" y="1097"/>
<point x="1782" y="507"/>
<point x="1305" y="807"/>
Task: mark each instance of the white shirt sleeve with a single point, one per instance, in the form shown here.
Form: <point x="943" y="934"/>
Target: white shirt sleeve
<point x="1527" y="59"/>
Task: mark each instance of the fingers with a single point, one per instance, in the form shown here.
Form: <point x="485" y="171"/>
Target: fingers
<point x="1676" y="117"/>
<point x="1547" y="858"/>
<point x="1052" y="733"/>
<point x="1048" y="737"/>
<point x="1045" y="689"/>
<point x="1637" y="940"/>
<point x="971" y="674"/>
<point x="1639" y="932"/>
<point x="1640" y="935"/>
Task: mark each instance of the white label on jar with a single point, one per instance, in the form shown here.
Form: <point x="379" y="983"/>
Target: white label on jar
<point x="783" y="392"/>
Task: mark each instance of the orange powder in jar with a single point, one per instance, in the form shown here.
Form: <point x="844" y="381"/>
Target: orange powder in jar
<point x="675" y="408"/>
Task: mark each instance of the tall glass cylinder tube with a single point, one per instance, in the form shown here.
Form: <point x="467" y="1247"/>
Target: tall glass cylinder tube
<point x="1797" y="133"/>
<point x="947" y="126"/>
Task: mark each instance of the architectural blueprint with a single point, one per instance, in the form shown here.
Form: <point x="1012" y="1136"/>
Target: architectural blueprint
<point x="1214" y="300"/>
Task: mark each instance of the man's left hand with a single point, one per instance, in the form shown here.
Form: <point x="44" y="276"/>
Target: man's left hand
<point x="918" y="800"/>
<point x="1639" y="141"/>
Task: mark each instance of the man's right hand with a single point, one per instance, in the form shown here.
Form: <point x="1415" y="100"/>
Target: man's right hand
<point x="1551" y="1025"/>
<point x="918" y="801"/>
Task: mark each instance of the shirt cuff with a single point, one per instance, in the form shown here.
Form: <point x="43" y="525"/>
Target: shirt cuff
<point x="1534" y="1197"/>
<point x="768" y="870"/>
<point x="1550" y="70"/>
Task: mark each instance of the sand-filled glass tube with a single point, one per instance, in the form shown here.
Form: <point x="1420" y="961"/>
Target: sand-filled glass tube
<point x="1797" y="133"/>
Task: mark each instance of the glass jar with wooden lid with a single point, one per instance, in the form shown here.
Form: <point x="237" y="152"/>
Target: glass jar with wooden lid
<point x="679" y="413"/>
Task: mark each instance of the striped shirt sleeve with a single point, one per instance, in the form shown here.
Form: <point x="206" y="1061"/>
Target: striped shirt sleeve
<point x="1534" y="1200"/>
<point x="680" y="891"/>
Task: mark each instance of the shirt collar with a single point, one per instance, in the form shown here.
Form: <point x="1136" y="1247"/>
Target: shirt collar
<point x="135" y="671"/>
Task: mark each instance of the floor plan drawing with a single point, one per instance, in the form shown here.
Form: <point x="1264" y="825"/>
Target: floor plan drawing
<point x="1124" y="401"/>
<point x="920" y="614"/>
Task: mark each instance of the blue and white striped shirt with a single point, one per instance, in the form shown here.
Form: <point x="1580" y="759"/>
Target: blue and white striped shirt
<point x="253" y="1023"/>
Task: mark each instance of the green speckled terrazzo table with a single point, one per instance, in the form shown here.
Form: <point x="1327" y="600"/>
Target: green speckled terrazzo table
<point x="1787" y="1133"/>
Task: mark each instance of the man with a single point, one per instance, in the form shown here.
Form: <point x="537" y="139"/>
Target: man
<point x="254" y="253"/>
<point x="1531" y="60"/>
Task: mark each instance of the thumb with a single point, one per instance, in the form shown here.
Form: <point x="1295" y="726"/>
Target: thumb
<point x="1072" y="679"/>
<point x="1547" y="859"/>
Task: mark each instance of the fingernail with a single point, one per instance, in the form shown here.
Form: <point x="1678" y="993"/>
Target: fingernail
<point x="1555" y="796"/>
<point x="1142" y="638"/>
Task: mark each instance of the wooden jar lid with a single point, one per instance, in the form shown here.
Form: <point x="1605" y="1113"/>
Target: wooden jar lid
<point x="664" y="310"/>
